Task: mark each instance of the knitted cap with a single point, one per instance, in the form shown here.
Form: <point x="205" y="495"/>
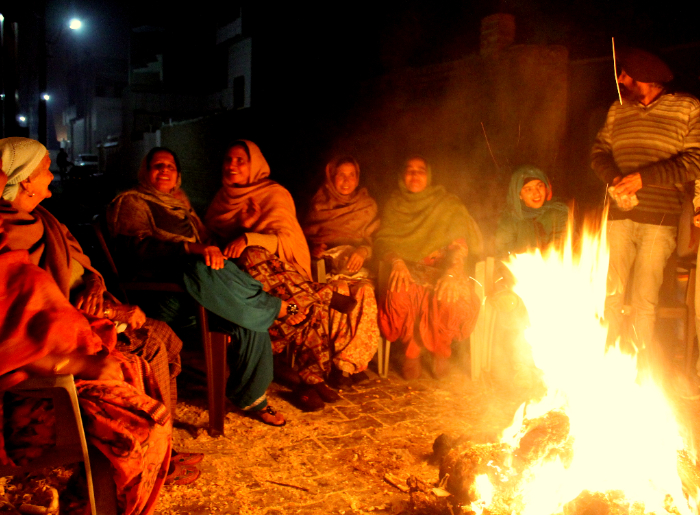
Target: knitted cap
<point x="20" y="157"/>
<point x="643" y="66"/>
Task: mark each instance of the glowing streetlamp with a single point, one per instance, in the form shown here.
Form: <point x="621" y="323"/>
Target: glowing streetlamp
<point x="46" y="97"/>
<point x="75" y="24"/>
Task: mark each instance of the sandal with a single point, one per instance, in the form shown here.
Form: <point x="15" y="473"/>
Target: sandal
<point x="270" y="416"/>
<point x="307" y="399"/>
<point x="182" y="475"/>
<point x="186" y="458"/>
<point x="326" y="393"/>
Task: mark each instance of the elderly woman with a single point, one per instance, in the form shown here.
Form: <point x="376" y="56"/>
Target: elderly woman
<point x="531" y="219"/>
<point x="45" y="335"/>
<point x="339" y="228"/>
<point x="254" y="219"/>
<point x="162" y="237"/>
<point x="426" y="235"/>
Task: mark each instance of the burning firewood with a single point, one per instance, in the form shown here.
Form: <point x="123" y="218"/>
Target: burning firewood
<point x="545" y="438"/>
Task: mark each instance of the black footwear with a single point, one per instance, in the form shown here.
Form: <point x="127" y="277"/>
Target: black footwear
<point x="326" y="393"/>
<point x="339" y="380"/>
<point x="306" y="398"/>
<point x="342" y="303"/>
<point x="359" y="378"/>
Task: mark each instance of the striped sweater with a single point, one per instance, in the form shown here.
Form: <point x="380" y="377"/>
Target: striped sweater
<point x="661" y="141"/>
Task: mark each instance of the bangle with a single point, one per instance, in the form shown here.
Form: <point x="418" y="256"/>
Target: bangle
<point x="61" y="364"/>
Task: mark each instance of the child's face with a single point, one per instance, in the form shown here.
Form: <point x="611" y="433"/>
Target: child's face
<point x="534" y="193"/>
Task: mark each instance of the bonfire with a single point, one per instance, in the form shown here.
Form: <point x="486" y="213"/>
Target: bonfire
<point x="601" y="440"/>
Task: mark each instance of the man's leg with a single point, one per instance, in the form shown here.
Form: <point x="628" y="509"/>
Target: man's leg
<point x="623" y="251"/>
<point x="656" y="243"/>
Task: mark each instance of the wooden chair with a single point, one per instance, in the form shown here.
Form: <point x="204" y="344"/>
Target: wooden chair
<point x="213" y="342"/>
<point x="71" y="445"/>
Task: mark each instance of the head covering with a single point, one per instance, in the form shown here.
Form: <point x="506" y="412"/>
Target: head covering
<point x="416" y="224"/>
<point x="522" y="227"/>
<point x="277" y="212"/>
<point x="170" y="214"/>
<point x="20" y="157"/>
<point x="644" y="66"/>
<point x="336" y="219"/>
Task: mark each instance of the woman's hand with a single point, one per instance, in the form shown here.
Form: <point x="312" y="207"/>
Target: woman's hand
<point x="212" y="255"/>
<point x="250" y="214"/>
<point x="234" y="249"/>
<point x="357" y="259"/>
<point x="292" y="319"/>
<point x="102" y="368"/>
<point x="400" y="278"/>
<point x="318" y="250"/>
<point x="91" y="298"/>
<point x="447" y="288"/>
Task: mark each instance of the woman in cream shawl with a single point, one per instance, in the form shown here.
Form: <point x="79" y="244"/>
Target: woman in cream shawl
<point x="339" y="228"/>
<point x="254" y="221"/>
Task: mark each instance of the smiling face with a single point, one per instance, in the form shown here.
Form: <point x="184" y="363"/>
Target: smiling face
<point x="162" y="172"/>
<point x="41" y="179"/>
<point x="236" y="168"/>
<point x="415" y="175"/>
<point x="345" y="179"/>
<point x="534" y="193"/>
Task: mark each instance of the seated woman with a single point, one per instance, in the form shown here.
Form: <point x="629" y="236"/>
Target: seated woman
<point x="426" y="235"/>
<point x="339" y="228"/>
<point x="161" y="235"/>
<point x="45" y="335"/>
<point x="254" y="220"/>
<point x="531" y="219"/>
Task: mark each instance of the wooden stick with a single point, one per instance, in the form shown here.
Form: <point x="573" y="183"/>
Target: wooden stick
<point x="394" y="481"/>
<point x="489" y="146"/>
<point x="619" y="95"/>
<point x="303" y="488"/>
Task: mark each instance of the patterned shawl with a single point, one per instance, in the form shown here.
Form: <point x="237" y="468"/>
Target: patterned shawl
<point x="520" y="227"/>
<point x="183" y="224"/>
<point x="416" y="224"/>
<point x="50" y="244"/>
<point x="278" y="214"/>
<point x="336" y="219"/>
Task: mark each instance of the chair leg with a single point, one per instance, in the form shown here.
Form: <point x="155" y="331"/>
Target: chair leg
<point x="383" y="350"/>
<point x="690" y="322"/>
<point x="215" y="354"/>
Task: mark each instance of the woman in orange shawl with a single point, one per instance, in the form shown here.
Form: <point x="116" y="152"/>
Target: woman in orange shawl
<point x="339" y="228"/>
<point x="254" y="220"/>
<point x="42" y="334"/>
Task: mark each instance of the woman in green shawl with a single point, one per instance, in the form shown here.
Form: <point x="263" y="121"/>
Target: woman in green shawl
<point x="532" y="219"/>
<point x="426" y="235"/>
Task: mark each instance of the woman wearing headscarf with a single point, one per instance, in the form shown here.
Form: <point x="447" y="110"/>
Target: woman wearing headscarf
<point x="254" y="220"/>
<point x="339" y="228"/>
<point x="531" y="219"/>
<point x="161" y="235"/>
<point x="41" y="334"/>
<point x="427" y="235"/>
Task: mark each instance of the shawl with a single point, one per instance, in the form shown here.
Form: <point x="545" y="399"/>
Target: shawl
<point x="50" y="244"/>
<point x="277" y="213"/>
<point x="416" y="224"/>
<point x="336" y="219"/>
<point x="145" y="212"/>
<point x="520" y="227"/>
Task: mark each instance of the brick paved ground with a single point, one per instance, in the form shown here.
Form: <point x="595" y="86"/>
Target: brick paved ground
<point x="336" y="458"/>
<point x="334" y="461"/>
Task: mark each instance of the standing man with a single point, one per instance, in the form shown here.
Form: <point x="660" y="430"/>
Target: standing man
<point x="648" y="147"/>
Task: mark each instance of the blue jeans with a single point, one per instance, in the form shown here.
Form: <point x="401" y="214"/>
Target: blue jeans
<point x="645" y="247"/>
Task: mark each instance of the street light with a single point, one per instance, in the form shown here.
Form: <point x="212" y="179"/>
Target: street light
<point x="75" y="24"/>
<point x="46" y="97"/>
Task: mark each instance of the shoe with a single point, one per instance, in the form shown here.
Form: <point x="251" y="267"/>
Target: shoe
<point x="182" y="475"/>
<point x="306" y="398"/>
<point x="270" y="416"/>
<point x="339" y="380"/>
<point x="186" y="458"/>
<point x="441" y="366"/>
<point x="411" y="369"/>
<point x="326" y="393"/>
<point x="342" y="303"/>
<point x="359" y="378"/>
